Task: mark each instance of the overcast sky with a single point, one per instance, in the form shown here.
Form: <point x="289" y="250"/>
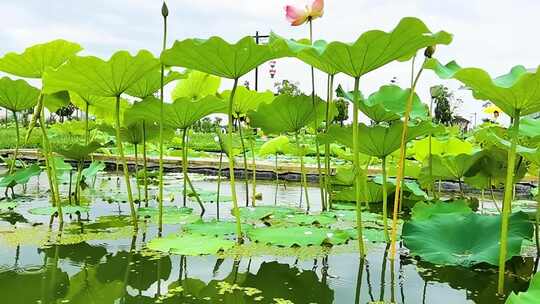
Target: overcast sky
<point x="492" y="34"/>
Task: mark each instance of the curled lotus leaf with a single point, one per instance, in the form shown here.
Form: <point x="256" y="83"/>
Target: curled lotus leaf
<point x="220" y="58"/>
<point x="17" y="95"/>
<point x="511" y="92"/>
<point x="426" y="210"/>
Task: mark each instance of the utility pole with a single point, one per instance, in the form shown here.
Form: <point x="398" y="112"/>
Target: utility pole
<point x="257" y="41"/>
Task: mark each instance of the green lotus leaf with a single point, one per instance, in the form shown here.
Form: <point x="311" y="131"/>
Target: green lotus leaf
<point x="196" y="86"/>
<point x="510" y="92"/>
<point x="171" y="215"/>
<point x="410" y="186"/>
<point x="52" y="210"/>
<point x="290" y="236"/>
<point x="530" y="127"/>
<point x="210" y="196"/>
<point x="214" y="228"/>
<point x="387" y="104"/>
<point x="441" y="147"/>
<point x="8" y="206"/>
<point x="379" y="140"/>
<point x="93" y="76"/>
<point x="17" y="95"/>
<point x="372" y="195"/>
<point x="531" y="296"/>
<point x="181" y="114"/>
<point x="490" y="168"/>
<point x="100" y="107"/>
<point x="150" y="83"/>
<point x="274" y="146"/>
<point x="218" y="57"/>
<point x="425" y="211"/>
<point x="21" y="176"/>
<point x="322" y="219"/>
<point x="78" y="152"/>
<point x="190" y="244"/>
<point x="265" y="212"/>
<point x="246" y="100"/>
<point x="86" y="287"/>
<point x="35" y="59"/>
<point x="369" y="234"/>
<point x="287" y="114"/>
<point x="53" y="102"/>
<point x="308" y="53"/>
<point x="464" y="239"/>
<point x="92" y="170"/>
<point x="376" y="48"/>
<point x="449" y="167"/>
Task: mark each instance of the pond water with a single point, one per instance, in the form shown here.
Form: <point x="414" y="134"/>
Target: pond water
<point x="96" y="259"/>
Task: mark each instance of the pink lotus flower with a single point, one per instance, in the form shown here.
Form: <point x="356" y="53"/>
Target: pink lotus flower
<point x="297" y="16"/>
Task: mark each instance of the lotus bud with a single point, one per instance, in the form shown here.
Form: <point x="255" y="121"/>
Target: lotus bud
<point x="164" y="10"/>
<point x="430" y="50"/>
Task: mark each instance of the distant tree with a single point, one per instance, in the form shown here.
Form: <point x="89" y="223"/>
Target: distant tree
<point x="342" y="107"/>
<point x="66" y="111"/>
<point x="287" y="87"/>
<point x="445" y="104"/>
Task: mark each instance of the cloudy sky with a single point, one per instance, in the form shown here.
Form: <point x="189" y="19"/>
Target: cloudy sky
<point x="492" y="34"/>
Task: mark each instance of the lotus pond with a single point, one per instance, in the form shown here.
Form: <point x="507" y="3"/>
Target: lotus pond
<point x="142" y="199"/>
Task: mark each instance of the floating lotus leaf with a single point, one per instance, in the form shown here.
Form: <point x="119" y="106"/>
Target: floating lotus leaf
<point x="464" y="239"/>
<point x="290" y="236"/>
<point x="93" y="76"/>
<point x="287" y="114"/>
<point x="35" y="59"/>
<point x="78" y="152"/>
<point x="424" y="211"/>
<point x="171" y="215"/>
<point x="378" y="140"/>
<point x="218" y="57"/>
<point x="375" y="48"/>
<point x="214" y="228"/>
<point x="265" y="212"/>
<point x="322" y="219"/>
<point x="190" y="244"/>
<point x="531" y="296"/>
<point x="369" y="234"/>
<point x="196" y="86"/>
<point x="510" y="92"/>
<point x="150" y="83"/>
<point x="52" y="210"/>
<point x="387" y="104"/>
<point x="274" y="146"/>
<point x="8" y="206"/>
<point x="246" y="100"/>
<point x="21" y="176"/>
<point x="210" y="196"/>
<point x="17" y="95"/>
